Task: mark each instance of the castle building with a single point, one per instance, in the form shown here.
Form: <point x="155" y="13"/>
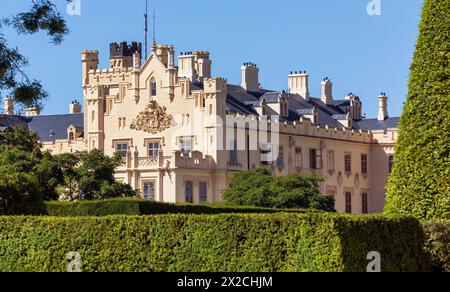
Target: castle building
<point x="184" y="134"/>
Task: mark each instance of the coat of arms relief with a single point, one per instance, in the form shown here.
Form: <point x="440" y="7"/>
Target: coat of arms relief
<point x="154" y="119"/>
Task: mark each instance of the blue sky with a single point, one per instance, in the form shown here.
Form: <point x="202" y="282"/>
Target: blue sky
<point x="329" y="38"/>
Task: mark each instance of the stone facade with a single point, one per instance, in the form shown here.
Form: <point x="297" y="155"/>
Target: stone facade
<point x="170" y="123"/>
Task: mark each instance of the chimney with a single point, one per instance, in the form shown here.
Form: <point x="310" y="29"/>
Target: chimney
<point x="75" y="107"/>
<point x="327" y="91"/>
<point x="203" y="65"/>
<point x="32" y="112"/>
<point x="166" y="54"/>
<point x="186" y="66"/>
<point x="298" y="84"/>
<point x="9" y="106"/>
<point x="382" y="107"/>
<point x="250" y="77"/>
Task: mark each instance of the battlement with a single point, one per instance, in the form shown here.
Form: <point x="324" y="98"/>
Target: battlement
<point x="123" y="49"/>
<point x="303" y="127"/>
<point x="194" y="159"/>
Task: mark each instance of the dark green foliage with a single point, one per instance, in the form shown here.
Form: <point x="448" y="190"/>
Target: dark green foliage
<point x="27" y="175"/>
<point x="420" y="184"/>
<point x="42" y="16"/>
<point x="259" y="188"/>
<point x="438" y="244"/>
<point x="142" y="207"/>
<point x="219" y="243"/>
<point x="90" y="176"/>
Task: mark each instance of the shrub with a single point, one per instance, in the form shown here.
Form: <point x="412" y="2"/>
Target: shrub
<point x="259" y="188"/>
<point x="213" y="243"/>
<point x="419" y="184"/>
<point x="141" y="207"/>
<point x="438" y="244"/>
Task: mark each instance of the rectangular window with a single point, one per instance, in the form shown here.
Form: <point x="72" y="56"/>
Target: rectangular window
<point x="122" y="148"/>
<point x="364" y="164"/>
<point x="298" y="158"/>
<point x="266" y="154"/>
<point x="348" y="203"/>
<point x="148" y="190"/>
<point x="280" y="158"/>
<point x="391" y="163"/>
<point x="233" y="151"/>
<point x="330" y="160"/>
<point x="203" y="192"/>
<point x="153" y="149"/>
<point x="185" y="146"/>
<point x="365" y="203"/>
<point x="315" y="158"/>
<point x="348" y="162"/>
<point x="189" y="191"/>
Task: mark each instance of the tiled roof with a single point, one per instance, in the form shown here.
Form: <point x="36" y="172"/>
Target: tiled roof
<point x="49" y="128"/>
<point x="375" y="124"/>
<point x="52" y="128"/>
<point x="241" y="101"/>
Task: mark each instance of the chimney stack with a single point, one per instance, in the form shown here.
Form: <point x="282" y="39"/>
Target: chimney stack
<point x="327" y="91"/>
<point x="299" y="84"/>
<point x="186" y="66"/>
<point x="32" y="112"/>
<point x="203" y="65"/>
<point x="250" y="77"/>
<point x="75" y="107"/>
<point x="9" y="106"/>
<point x="382" y="107"/>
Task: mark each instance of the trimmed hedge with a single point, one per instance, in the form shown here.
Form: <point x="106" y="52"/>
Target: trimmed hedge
<point x="419" y="184"/>
<point x="142" y="207"/>
<point x="212" y="243"/>
<point x="438" y="244"/>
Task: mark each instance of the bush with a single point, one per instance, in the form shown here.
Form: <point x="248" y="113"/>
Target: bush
<point x="419" y="184"/>
<point x="217" y="243"/>
<point x="141" y="207"/>
<point x="259" y="188"/>
<point x="438" y="244"/>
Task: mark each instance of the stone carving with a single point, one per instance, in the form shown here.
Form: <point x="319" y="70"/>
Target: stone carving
<point x="154" y="119"/>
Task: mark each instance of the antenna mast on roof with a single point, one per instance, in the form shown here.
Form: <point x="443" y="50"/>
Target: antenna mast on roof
<point x="146" y="30"/>
<point x="154" y="31"/>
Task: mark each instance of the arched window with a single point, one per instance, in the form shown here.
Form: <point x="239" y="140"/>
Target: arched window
<point x="71" y="136"/>
<point x="153" y="86"/>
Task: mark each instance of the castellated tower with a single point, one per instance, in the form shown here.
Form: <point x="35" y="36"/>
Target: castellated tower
<point x="89" y="61"/>
<point x="121" y="54"/>
<point x="94" y="116"/>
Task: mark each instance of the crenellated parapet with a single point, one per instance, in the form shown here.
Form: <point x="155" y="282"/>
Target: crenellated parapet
<point x="302" y="127"/>
<point x="193" y="160"/>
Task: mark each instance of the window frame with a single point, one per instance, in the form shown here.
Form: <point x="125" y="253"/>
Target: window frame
<point x="153" y="88"/>
<point x="189" y="199"/>
<point x="157" y="150"/>
<point x="298" y="157"/>
<point x="348" y="162"/>
<point x="122" y="142"/>
<point x="348" y="202"/>
<point x="181" y="141"/>
<point x="280" y="158"/>
<point x="203" y="199"/>
<point x="315" y="158"/>
<point x="148" y="197"/>
<point x="365" y="203"/>
<point x="364" y="164"/>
